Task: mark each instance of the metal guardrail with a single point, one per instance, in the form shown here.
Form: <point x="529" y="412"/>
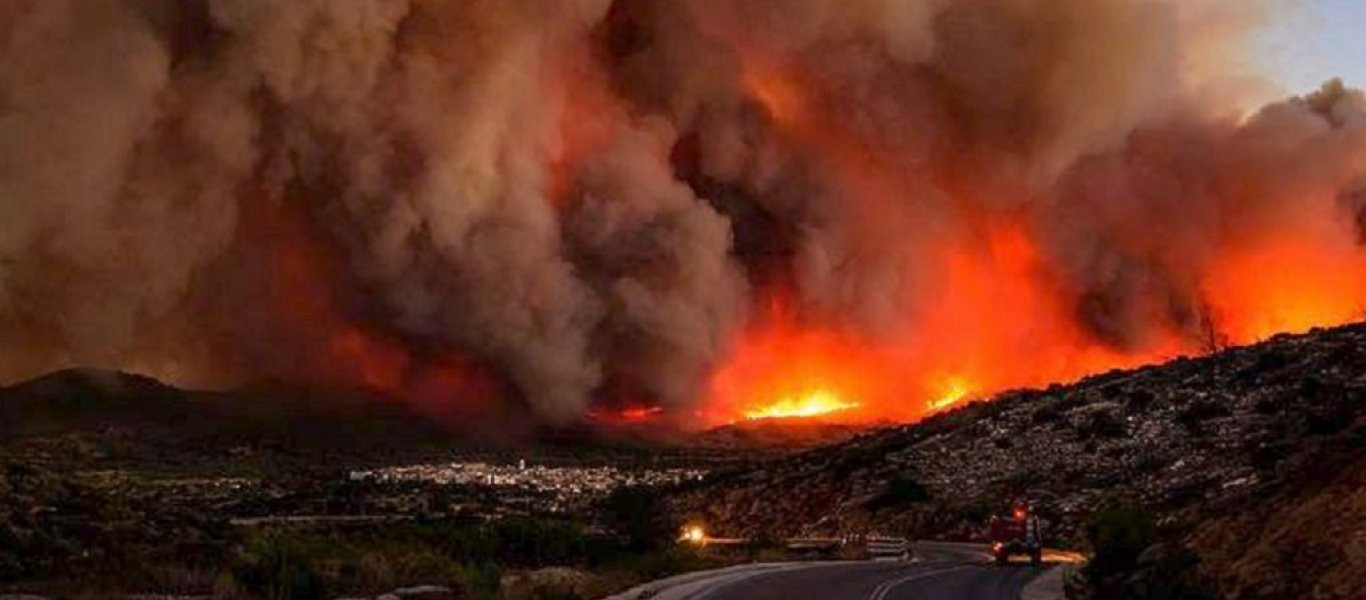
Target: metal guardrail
<point x="874" y="546"/>
<point x="880" y="547"/>
<point x="814" y="543"/>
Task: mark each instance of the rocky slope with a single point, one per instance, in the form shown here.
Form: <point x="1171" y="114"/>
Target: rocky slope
<point x="1256" y="456"/>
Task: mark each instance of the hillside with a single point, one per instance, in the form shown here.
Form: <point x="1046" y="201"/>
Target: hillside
<point x="107" y="419"/>
<point x="76" y="400"/>
<point x="1234" y="452"/>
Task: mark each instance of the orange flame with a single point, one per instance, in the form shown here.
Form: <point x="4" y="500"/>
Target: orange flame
<point x="1287" y="285"/>
<point x="956" y="391"/>
<point x="813" y="404"/>
<point x="626" y="416"/>
<point x="997" y="321"/>
<point x="781" y="369"/>
<point x="994" y="322"/>
<point x="997" y="317"/>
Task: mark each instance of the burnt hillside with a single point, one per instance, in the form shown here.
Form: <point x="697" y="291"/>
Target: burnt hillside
<point x="1254" y="454"/>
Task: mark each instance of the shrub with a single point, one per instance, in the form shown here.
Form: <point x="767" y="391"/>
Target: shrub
<point x="482" y="581"/>
<point x="1197" y="412"/>
<point x="1267" y="363"/>
<point x="279" y="570"/>
<point x="555" y="592"/>
<point x="1269" y="404"/>
<point x="1131" y="563"/>
<point x="1101" y="424"/>
<point x="638" y="514"/>
<point x="901" y="491"/>
<point x="665" y="562"/>
<point x="1331" y="415"/>
<point x="1118" y="534"/>
<point x="1046" y="413"/>
<point x="533" y="542"/>
<point x="1139" y="400"/>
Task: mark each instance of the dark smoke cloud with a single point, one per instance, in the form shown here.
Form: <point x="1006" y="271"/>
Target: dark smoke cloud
<point x="589" y="197"/>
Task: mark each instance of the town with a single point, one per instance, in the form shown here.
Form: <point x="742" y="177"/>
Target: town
<point x="557" y="489"/>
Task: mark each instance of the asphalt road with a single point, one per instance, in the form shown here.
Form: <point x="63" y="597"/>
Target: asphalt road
<point x="941" y="572"/>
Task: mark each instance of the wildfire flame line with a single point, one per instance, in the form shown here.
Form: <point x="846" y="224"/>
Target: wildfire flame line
<point x="956" y="392"/>
<point x="813" y="404"/>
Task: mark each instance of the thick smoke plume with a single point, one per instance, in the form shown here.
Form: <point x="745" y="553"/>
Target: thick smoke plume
<point x="701" y="205"/>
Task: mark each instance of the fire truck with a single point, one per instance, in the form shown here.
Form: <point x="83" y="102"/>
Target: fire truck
<point x="1016" y="533"/>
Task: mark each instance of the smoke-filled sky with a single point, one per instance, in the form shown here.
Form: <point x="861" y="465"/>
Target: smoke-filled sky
<point x="697" y="209"/>
<point x="1312" y="41"/>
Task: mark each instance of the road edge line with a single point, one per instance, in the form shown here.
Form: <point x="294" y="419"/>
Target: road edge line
<point x="881" y="591"/>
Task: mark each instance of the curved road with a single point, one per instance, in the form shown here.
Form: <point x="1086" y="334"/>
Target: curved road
<point x="941" y="571"/>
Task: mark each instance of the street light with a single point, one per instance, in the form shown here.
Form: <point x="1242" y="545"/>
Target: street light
<point x="694" y="534"/>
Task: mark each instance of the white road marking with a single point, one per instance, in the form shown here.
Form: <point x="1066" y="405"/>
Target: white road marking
<point x="721" y="583"/>
<point x="886" y="588"/>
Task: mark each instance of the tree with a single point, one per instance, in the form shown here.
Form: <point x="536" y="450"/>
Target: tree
<point x="1131" y="563"/>
<point x="638" y="514"/>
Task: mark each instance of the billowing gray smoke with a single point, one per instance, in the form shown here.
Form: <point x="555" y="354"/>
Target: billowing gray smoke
<point x="592" y="198"/>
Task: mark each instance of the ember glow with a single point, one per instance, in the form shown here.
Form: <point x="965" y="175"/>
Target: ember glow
<point x="1288" y="285"/>
<point x="678" y="211"/>
<point x="631" y="415"/>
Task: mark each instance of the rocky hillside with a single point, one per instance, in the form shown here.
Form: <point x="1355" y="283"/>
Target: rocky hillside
<point x="1255" y="456"/>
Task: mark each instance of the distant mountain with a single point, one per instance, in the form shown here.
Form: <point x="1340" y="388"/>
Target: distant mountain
<point x="1255" y="456"/>
<point x="90" y="401"/>
<point x="78" y="399"/>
